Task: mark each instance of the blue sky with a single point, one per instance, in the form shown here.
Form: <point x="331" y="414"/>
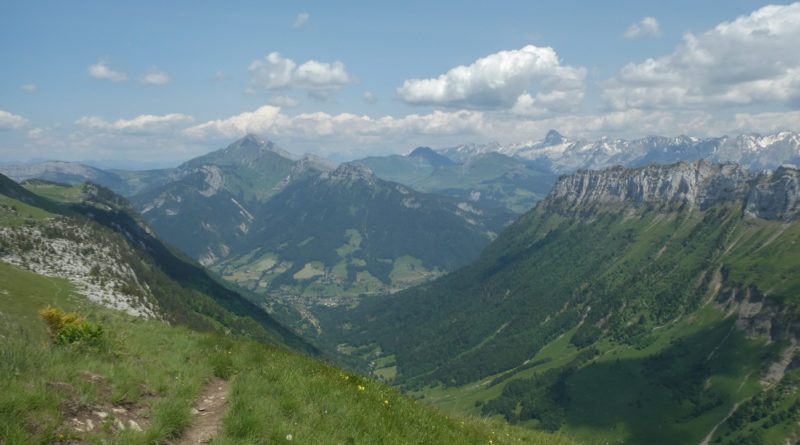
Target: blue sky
<point x="156" y="83"/>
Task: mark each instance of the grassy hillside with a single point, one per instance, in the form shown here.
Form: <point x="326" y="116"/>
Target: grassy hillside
<point x="138" y="382"/>
<point x="93" y="235"/>
<point x="642" y="324"/>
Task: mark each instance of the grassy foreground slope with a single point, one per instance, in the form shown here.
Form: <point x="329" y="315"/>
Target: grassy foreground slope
<point x="149" y="374"/>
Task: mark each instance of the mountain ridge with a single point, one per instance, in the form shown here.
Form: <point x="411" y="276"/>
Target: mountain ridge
<point x="768" y="194"/>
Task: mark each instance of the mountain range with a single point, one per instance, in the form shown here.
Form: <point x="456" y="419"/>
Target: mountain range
<point x="564" y="155"/>
<point x="641" y="302"/>
<point x="648" y="305"/>
<point x="554" y="154"/>
<point x="305" y="229"/>
<point x="247" y="210"/>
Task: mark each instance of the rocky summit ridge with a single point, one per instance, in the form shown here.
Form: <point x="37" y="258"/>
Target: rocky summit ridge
<point x="350" y="170"/>
<point x="770" y="195"/>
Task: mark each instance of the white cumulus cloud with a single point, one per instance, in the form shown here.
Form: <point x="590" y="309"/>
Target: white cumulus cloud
<point x="283" y="100"/>
<point x="28" y="88"/>
<point x="753" y="59"/>
<point x="502" y="81"/>
<point x="146" y="123"/>
<point x="269" y="120"/>
<point x="369" y="97"/>
<point x="320" y="79"/>
<point x="301" y="19"/>
<point x="103" y="71"/>
<point x="155" y="77"/>
<point x="9" y="121"/>
<point x="647" y="28"/>
<point x="36" y="133"/>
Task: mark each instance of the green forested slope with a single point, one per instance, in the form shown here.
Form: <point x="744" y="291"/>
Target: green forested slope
<point x="639" y="322"/>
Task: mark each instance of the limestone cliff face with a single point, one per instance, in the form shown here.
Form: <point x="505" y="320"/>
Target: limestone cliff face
<point x="700" y="184"/>
<point x="775" y="195"/>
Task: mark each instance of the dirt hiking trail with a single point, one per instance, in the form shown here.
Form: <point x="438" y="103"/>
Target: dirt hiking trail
<point x="208" y="414"/>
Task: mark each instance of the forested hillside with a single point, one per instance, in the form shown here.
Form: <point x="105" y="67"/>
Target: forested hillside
<point x="628" y="295"/>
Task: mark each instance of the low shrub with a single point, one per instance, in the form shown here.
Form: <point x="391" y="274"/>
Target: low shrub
<point x="67" y="329"/>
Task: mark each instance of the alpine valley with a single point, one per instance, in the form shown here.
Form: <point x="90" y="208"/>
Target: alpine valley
<point x="109" y="335"/>
<point x="611" y="291"/>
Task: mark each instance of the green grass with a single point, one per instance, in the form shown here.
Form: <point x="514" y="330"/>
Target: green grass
<point x="316" y="403"/>
<point x="16" y="212"/>
<point x="57" y="192"/>
<point x="310" y="270"/>
<point x="156" y="372"/>
<point x="144" y="366"/>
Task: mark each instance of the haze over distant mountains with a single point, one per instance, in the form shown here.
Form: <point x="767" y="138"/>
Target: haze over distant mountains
<point x="246" y="210"/>
<point x="555" y="152"/>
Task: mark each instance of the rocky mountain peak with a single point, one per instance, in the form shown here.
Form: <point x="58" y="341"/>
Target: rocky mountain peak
<point x="244" y="151"/>
<point x="350" y="170"/>
<point x="434" y="159"/>
<point x="553" y="138"/>
<point x="700" y="184"/>
<point x="251" y="147"/>
<point x="251" y="139"/>
<point x="421" y="152"/>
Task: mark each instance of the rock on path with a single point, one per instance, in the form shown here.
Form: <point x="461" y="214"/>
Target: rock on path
<point x="208" y="414"/>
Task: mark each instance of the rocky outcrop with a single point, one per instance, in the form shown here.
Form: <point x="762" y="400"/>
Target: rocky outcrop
<point x="775" y="195"/>
<point x="312" y="162"/>
<point x="214" y="179"/>
<point x="700" y="184"/>
<point x="350" y="170"/>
